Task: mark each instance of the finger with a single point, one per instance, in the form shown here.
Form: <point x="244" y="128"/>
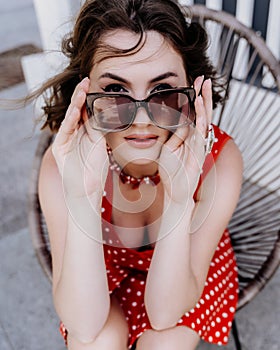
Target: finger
<point x="196" y="155"/>
<point x="82" y="86"/>
<point x="201" y="117"/>
<point x="73" y="115"/>
<point x="68" y="127"/>
<point x="207" y="99"/>
<point x="78" y="96"/>
<point x="94" y="135"/>
<point x="177" y="138"/>
<point x="198" y="84"/>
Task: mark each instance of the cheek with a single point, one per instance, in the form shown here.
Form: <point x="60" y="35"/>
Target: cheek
<point x="169" y="135"/>
<point x="166" y="135"/>
<point x="108" y="140"/>
<point x="114" y="140"/>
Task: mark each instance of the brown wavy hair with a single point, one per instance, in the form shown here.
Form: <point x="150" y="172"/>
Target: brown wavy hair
<point x="98" y="17"/>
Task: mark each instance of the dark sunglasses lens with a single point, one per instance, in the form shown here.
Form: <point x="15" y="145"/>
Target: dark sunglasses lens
<point x="170" y="109"/>
<point x="112" y="113"/>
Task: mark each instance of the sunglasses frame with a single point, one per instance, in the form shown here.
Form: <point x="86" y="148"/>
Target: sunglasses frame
<point x="91" y="97"/>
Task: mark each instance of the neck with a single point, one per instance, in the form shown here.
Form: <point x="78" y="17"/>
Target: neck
<point x="139" y="171"/>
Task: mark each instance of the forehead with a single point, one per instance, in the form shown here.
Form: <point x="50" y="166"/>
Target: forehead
<point x="156" y="51"/>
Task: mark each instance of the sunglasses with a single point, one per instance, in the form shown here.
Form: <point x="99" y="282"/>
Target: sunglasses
<point x="167" y="109"/>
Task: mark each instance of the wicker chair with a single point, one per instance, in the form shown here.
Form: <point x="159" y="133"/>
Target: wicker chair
<point x="251" y="116"/>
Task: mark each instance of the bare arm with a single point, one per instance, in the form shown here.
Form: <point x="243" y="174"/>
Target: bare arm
<point x="80" y="288"/>
<point x="182" y="258"/>
<point x="189" y="234"/>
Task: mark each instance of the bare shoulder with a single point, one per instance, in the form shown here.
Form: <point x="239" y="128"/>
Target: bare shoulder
<point x="54" y="208"/>
<point x="48" y="165"/>
<point x="49" y="177"/>
<point x="50" y="188"/>
<point x="231" y="156"/>
<point x="218" y="197"/>
<point x="227" y="174"/>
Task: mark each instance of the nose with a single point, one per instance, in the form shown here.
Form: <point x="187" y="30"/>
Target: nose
<point x="142" y="117"/>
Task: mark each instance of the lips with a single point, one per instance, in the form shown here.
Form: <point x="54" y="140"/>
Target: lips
<point x="141" y="140"/>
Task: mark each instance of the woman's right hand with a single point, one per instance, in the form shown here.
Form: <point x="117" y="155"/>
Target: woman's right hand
<point x="80" y="151"/>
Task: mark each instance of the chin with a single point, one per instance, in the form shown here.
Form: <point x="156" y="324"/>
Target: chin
<point x="143" y="156"/>
<point x="137" y="157"/>
<point x="142" y="161"/>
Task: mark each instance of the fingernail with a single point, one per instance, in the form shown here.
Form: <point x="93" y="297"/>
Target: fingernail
<point x="84" y="81"/>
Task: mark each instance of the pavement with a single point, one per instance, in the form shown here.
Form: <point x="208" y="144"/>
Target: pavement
<point x="27" y="317"/>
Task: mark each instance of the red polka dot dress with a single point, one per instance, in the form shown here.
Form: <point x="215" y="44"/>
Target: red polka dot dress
<point x="127" y="271"/>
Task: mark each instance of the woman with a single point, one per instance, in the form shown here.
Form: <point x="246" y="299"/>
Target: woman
<point x="141" y="255"/>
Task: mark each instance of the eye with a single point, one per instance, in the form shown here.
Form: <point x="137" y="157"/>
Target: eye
<point x="115" y="88"/>
<point x="161" y="87"/>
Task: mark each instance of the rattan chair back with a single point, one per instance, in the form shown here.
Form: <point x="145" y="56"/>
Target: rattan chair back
<point x="251" y="115"/>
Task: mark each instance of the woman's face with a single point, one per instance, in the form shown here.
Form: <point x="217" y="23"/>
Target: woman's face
<point x="155" y="67"/>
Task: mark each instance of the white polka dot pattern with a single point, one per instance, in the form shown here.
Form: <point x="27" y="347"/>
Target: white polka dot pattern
<point x="213" y="314"/>
<point x="219" y="299"/>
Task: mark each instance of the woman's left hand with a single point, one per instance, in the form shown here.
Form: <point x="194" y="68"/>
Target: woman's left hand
<point x="183" y="155"/>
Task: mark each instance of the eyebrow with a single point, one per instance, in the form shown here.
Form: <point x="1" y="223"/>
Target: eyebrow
<point x="112" y="76"/>
<point x="154" y="80"/>
<point x="163" y="76"/>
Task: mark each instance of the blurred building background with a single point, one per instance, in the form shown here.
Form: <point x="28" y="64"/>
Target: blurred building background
<point x="260" y="15"/>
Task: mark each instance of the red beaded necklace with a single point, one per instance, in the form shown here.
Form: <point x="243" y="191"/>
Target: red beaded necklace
<point x="129" y="179"/>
